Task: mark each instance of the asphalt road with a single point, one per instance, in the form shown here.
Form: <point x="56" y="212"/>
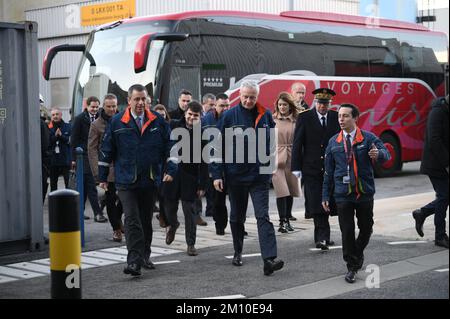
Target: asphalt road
<point x="407" y="270"/>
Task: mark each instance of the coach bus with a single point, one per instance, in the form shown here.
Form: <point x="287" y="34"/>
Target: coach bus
<point x="392" y="70"/>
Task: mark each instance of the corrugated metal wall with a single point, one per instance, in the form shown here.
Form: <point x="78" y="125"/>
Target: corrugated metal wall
<point x="21" y="217"/>
<point x="56" y="25"/>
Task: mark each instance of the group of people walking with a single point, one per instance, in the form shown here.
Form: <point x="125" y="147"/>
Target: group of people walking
<point x="320" y="152"/>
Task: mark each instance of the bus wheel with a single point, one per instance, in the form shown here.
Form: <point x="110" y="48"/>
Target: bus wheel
<point x="390" y="167"/>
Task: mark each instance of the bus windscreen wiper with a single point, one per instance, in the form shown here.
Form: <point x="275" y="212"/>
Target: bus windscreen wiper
<point x="111" y="26"/>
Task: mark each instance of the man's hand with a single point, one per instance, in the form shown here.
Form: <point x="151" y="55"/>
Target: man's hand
<point x="373" y="153"/>
<point x="218" y="185"/>
<point x="297" y="174"/>
<point x="58" y="132"/>
<point x="200" y="193"/>
<point x="74" y="166"/>
<point x="167" y="178"/>
<point x="104" y="185"/>
<point x="326" y="206"/>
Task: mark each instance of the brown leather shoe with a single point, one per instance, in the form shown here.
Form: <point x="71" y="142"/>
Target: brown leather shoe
<point x="170" y="234"/>
<point x="191" y="251"/>
<point x="117" y="236"/>
<point x="201" y="222"/>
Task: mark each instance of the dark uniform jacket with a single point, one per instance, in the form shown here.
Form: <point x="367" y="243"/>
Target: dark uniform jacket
<point x="311" y="141"/>
<point x="435" y="151"/>
<point x="63" y="157"/>
<point x="138" y="156"/>
<point x="362" y="183"/>
<point x="190" y="176"/>
<point x="79" y="137"/>
<point x="177" y="114"/>
<point x="247" y="172"/>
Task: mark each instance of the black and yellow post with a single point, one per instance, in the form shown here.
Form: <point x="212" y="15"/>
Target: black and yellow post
<point x="65" y="244"/>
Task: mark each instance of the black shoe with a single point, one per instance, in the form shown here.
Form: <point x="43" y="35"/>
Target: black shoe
<point x="350" y="277"/>
<point x="322" y="245"/>
<point x="99" y="218"/>
<point x="220" y="232"/>
<point x="288" y="226"/>
<point x="245" y="234"/>
<point x="133" y="270"/>
<point x="170" y="235"/>
<point x="271" y="265"/>
<point x="292" y="219"/>
<point x="420" y="219"/>
<point x="191" y="251"/>
<point x="282" y="228"/>
<point x="330" y="243"/>
<point x="86" y="217"/>
<point x="442" y="242"/>
<point x="148" y="264"/>
<point x="237" y="260"/>
<point x="155" y="209"/>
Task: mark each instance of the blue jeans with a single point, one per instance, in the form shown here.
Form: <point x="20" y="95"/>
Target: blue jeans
<point x="439" y="206"/>
<point x="259" y="192"/>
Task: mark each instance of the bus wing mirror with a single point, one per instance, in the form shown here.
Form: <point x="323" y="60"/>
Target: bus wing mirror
<point x="51" y="53"/>
<point x="142" y="48"/>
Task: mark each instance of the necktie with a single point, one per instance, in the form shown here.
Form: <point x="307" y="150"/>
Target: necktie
<point x="139" y="122"/>
<point x="324" y="122"/>
<point x="92" y="119"/>
<point x="349" y="147"/>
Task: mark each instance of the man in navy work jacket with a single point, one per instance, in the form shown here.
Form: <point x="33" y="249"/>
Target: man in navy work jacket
<point x="243" y="177"/>
<point x="348" y="166"/>
<point x="137" y="141"/>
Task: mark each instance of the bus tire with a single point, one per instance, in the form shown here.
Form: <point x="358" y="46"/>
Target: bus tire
<point x="395" y="163"/>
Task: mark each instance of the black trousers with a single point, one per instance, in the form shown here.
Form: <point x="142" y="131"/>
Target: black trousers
<point x="191" y="213"/>
<point x="439" y="206"/>
<point x="220" y="209"/>
<point x="321" y="227"/>
<point x="284" y="206"/>
<point x="138" y="208"/>
<point x="353" y="249"/>
<point x="90" y="191"/>
<point x="259" y="193"/>
<point x="55" y="172"/>
<point x="314" y="208"/>
<point x="210" y="195"/>
<point x="114" y="207"/>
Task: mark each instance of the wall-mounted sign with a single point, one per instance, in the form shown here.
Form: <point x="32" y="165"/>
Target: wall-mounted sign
<point x="107" y="12"/>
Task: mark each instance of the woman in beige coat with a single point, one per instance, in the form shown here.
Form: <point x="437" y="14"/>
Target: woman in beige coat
<point x="284" y="182"/>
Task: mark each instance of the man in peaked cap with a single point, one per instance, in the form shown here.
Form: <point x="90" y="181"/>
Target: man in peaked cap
<point x="313" y="130"/>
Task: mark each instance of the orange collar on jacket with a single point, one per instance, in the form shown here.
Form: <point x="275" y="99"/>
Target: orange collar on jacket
<point x="261" y="111"/>
<point x="126" y="118"/>
<point x="359" y="138"/>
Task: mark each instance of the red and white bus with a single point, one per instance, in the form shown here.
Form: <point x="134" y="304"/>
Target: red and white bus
<point x="392" y="70"/>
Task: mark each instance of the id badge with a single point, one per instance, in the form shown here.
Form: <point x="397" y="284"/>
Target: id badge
<point x="346" y="179"/>
<point x="57" y="149"/>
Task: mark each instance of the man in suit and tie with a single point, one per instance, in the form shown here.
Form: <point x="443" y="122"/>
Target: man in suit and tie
<point x="313" y="130"/>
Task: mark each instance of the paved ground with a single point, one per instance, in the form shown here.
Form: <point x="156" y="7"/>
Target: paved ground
<point x="407" y="264"/>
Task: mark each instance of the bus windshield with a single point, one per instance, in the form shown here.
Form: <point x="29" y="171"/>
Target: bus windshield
<point x="110" y="66"/>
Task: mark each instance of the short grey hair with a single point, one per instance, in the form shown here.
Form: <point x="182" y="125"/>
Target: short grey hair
<point x="250" y="85"/>
<point x="208" y="96"/>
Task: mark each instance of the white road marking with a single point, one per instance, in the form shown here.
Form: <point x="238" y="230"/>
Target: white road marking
<point x="406" y="242"/>
<point x="244" y="256"/>
<point x="96" y="261"/>
<point x="330" y="247"/>
<point x="19" y="273"/>
<point x="102" y="255"/>
<point x="442" y="270"/>
<point x="166" y="262"/>
<point x="227" y="297"/>
<point x="32" y="267"/>
<point x="4" y="279"/>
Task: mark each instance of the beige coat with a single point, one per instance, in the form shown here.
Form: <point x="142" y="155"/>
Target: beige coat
<point x="284" y="182"/>
<point x="95" y="138"/>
